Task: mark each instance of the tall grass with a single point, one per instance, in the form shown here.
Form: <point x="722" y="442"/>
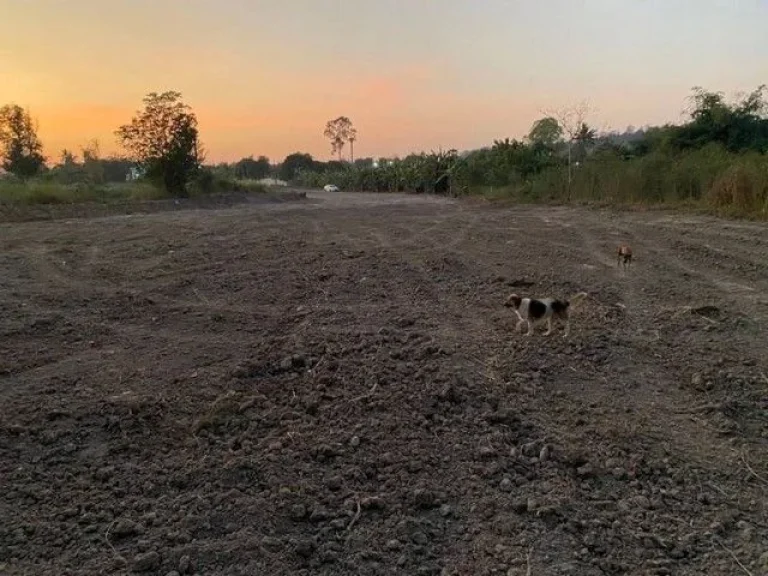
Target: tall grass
<point x="710" y="179"/>
<point x="42" y="191"/>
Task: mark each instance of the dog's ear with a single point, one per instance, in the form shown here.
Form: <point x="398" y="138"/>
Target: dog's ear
<point x="513" y="300"/>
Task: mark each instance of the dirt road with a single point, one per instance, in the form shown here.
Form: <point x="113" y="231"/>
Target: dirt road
<point x="332" y="386"/>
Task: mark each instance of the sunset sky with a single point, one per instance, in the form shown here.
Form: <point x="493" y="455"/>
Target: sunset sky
<point x="264" y="76"/>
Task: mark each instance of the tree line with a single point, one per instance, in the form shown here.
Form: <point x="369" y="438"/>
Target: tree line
<point x="161" y="144"/>
<point x="717" y="153"/>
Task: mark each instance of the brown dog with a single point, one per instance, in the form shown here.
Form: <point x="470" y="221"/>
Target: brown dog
<point x="624" y="253"/>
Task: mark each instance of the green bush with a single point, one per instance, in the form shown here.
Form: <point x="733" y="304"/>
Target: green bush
<point x="709" y="177"/>
<point x="208" y="182"/>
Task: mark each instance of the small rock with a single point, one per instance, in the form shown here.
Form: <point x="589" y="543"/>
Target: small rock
<point x="271" y="543"/>
<point x="445" y="510"/>
<point x="424" y="498"/>
<point x="513" y="452"/>
<point x="696" y="379"/>
<point x="585" y="471"/>
<point x="338" y="524"/>
<point x="124" y="528"/>
<point x="747" y="532"/>
<point x="419" y="538"/>
<point x="318" y="514"/>
<point x="185" y="565"/>
<point x="374" y="502"/>
<point x="146" y="562"/>
<point x="305" y="548"/>
<point x="173" y="573"/>
<point x="334" y="483"/>
<point x="355" y="441"/>
<point x="544" y="454"/>
<point x="70" y="512"/>
<point x="505" y="485"/>
<point x="520" y="505"/>
<point x="329" y="553"/>
<point x="486" y="452"/>
<point x="298" y="511"/>
<point x="393" y="545"/>
<point x="531" y="505"/>
<point x="150" y="518"/>
<point x="641" y="502"/>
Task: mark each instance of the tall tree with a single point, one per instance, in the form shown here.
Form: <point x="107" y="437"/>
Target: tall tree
<point x="68" y="158"/>
<point x="163" y="139"/>
<point x="585" y="139"/>
<point x="20" y="148"/>
<point x="545" y="132"/>
<point x="338" y="131"/>
<point x="253" y="169"/>
<point x="294" y="163"/>
<point x="92" y="164"/>
<point x="571" y="119"/>
<point x="352" y="137"/>
<point x="737" y="126"/>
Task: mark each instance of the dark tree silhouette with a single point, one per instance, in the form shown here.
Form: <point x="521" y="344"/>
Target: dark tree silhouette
<point x="339" y="132"/>
<point x="20" y="148"/>
<point x="163" y="139"/>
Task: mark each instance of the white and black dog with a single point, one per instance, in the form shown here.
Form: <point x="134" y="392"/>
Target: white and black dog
<point x="534" y="311"/>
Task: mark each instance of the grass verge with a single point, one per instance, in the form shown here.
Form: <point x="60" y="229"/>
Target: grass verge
<point x="34" y="192"/>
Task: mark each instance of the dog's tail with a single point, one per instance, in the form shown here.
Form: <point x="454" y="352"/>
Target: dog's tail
<point x="577" y="299"/>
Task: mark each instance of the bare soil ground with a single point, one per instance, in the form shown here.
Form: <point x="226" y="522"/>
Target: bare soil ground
<point x="332" y="386"/>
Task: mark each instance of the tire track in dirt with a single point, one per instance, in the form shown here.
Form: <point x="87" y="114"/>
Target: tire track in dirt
<point x="730" y="287"/>
<point x="646" y="389"/>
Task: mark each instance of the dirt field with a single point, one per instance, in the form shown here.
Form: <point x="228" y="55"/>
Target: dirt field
<point x="332" y="386"/>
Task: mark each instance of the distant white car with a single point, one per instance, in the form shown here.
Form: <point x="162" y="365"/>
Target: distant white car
<point x="331" y="188"/>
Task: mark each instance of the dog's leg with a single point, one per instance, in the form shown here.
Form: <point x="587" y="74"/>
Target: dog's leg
<point x="567" y="328"/>
<point x="519" y="326"/>
<point x="530" y="329"/>
<point x="549" y="327"/>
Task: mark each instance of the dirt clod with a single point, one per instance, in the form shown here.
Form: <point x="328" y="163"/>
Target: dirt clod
<point x="146" y="562"/>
